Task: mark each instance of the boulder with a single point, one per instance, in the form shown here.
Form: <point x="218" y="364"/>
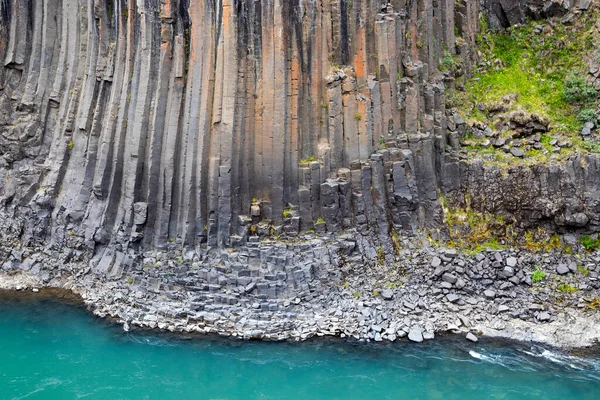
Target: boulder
<point x="415" y="335"/>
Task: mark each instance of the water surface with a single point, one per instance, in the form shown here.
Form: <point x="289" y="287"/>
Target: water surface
<point x="50" y="350"/>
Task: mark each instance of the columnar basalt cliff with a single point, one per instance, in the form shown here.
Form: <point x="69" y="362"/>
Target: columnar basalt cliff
<point x="157" y="121"/>
<point x="152" y="153"/>
<point x="143" y="123"/>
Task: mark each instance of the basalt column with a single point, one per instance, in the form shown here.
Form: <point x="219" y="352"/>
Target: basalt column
<point x="139" y="123"/>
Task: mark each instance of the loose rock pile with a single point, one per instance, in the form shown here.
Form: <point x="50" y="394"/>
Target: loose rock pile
<point x="345" y="286"/>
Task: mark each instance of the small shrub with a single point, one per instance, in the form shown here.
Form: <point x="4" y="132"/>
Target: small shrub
<point x="356" y="295"/>
<point x="357" y="116"/>
<point x="589" y="244"/>
<point x="576" y="90"/>
<point x="587" y="115"/>
<point x="287" y="213"/>
<point x="591" y="147"/>
<point x="320" y="220"/>
<point x="538" y="275"/>
<point x="447" y="63"/>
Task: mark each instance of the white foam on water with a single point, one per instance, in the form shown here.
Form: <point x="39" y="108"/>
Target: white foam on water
<point x="478" y="356"/>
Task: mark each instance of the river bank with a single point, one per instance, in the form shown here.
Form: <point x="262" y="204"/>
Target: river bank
<point x="331" y="286"/>
<point x="83" y="348"/>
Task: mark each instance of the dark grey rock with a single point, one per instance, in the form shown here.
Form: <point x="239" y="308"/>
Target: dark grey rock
<point x="562" y="269"/>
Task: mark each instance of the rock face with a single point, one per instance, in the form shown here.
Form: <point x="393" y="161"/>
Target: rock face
<point x="566" y="194"/>
<point x="135" y="124"/>
<point x="169" y="120"/>
<point x="505" y="13"/>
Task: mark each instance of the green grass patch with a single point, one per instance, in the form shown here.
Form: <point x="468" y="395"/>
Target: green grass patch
<point x="538" y="275"/>
<point x="566" y="288"/>
<point x="589" y="243"/>
<point x="542" y="72"/>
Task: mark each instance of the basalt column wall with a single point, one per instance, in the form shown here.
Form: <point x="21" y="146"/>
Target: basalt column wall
<point x="144" y="122"/>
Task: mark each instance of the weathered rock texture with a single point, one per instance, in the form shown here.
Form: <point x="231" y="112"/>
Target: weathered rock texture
<point x="166" y="120"/>
<point x="505" y="13"/>
<point x="138" y="123"/>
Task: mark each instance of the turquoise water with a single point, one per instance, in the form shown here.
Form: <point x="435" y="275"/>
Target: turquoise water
<point x="50" y="350"/>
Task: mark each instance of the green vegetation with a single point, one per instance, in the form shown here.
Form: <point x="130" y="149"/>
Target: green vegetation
<point x="578" y="91"/>
<point x="587" y="115"/>
<point x="535" y="69"/>
<point x="308" y="160"/>
<point x="450" y="62"/>
<point x="538" y="275"/>
<point x="320" y="220"/>
<point x="538" y="240"/>
<point x="471" y="230"/>
<point x="589" y="243"/>
<point x="582" y="270"/>
<point x="357" y="116"/>
<point x="474" y="232"/>
<point x="396" y="242"/>
<point x="591" y="147"/>
<point x="566" y="288"/>
<point x="380" y="255"/>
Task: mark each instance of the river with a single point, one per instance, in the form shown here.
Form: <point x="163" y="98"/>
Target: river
<point x="52" y="350"/>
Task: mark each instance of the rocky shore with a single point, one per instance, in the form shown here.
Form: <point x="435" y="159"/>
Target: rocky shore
<point x="346" y="286"/>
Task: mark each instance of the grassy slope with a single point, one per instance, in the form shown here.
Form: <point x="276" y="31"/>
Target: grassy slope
<point x="533" y="66"/>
